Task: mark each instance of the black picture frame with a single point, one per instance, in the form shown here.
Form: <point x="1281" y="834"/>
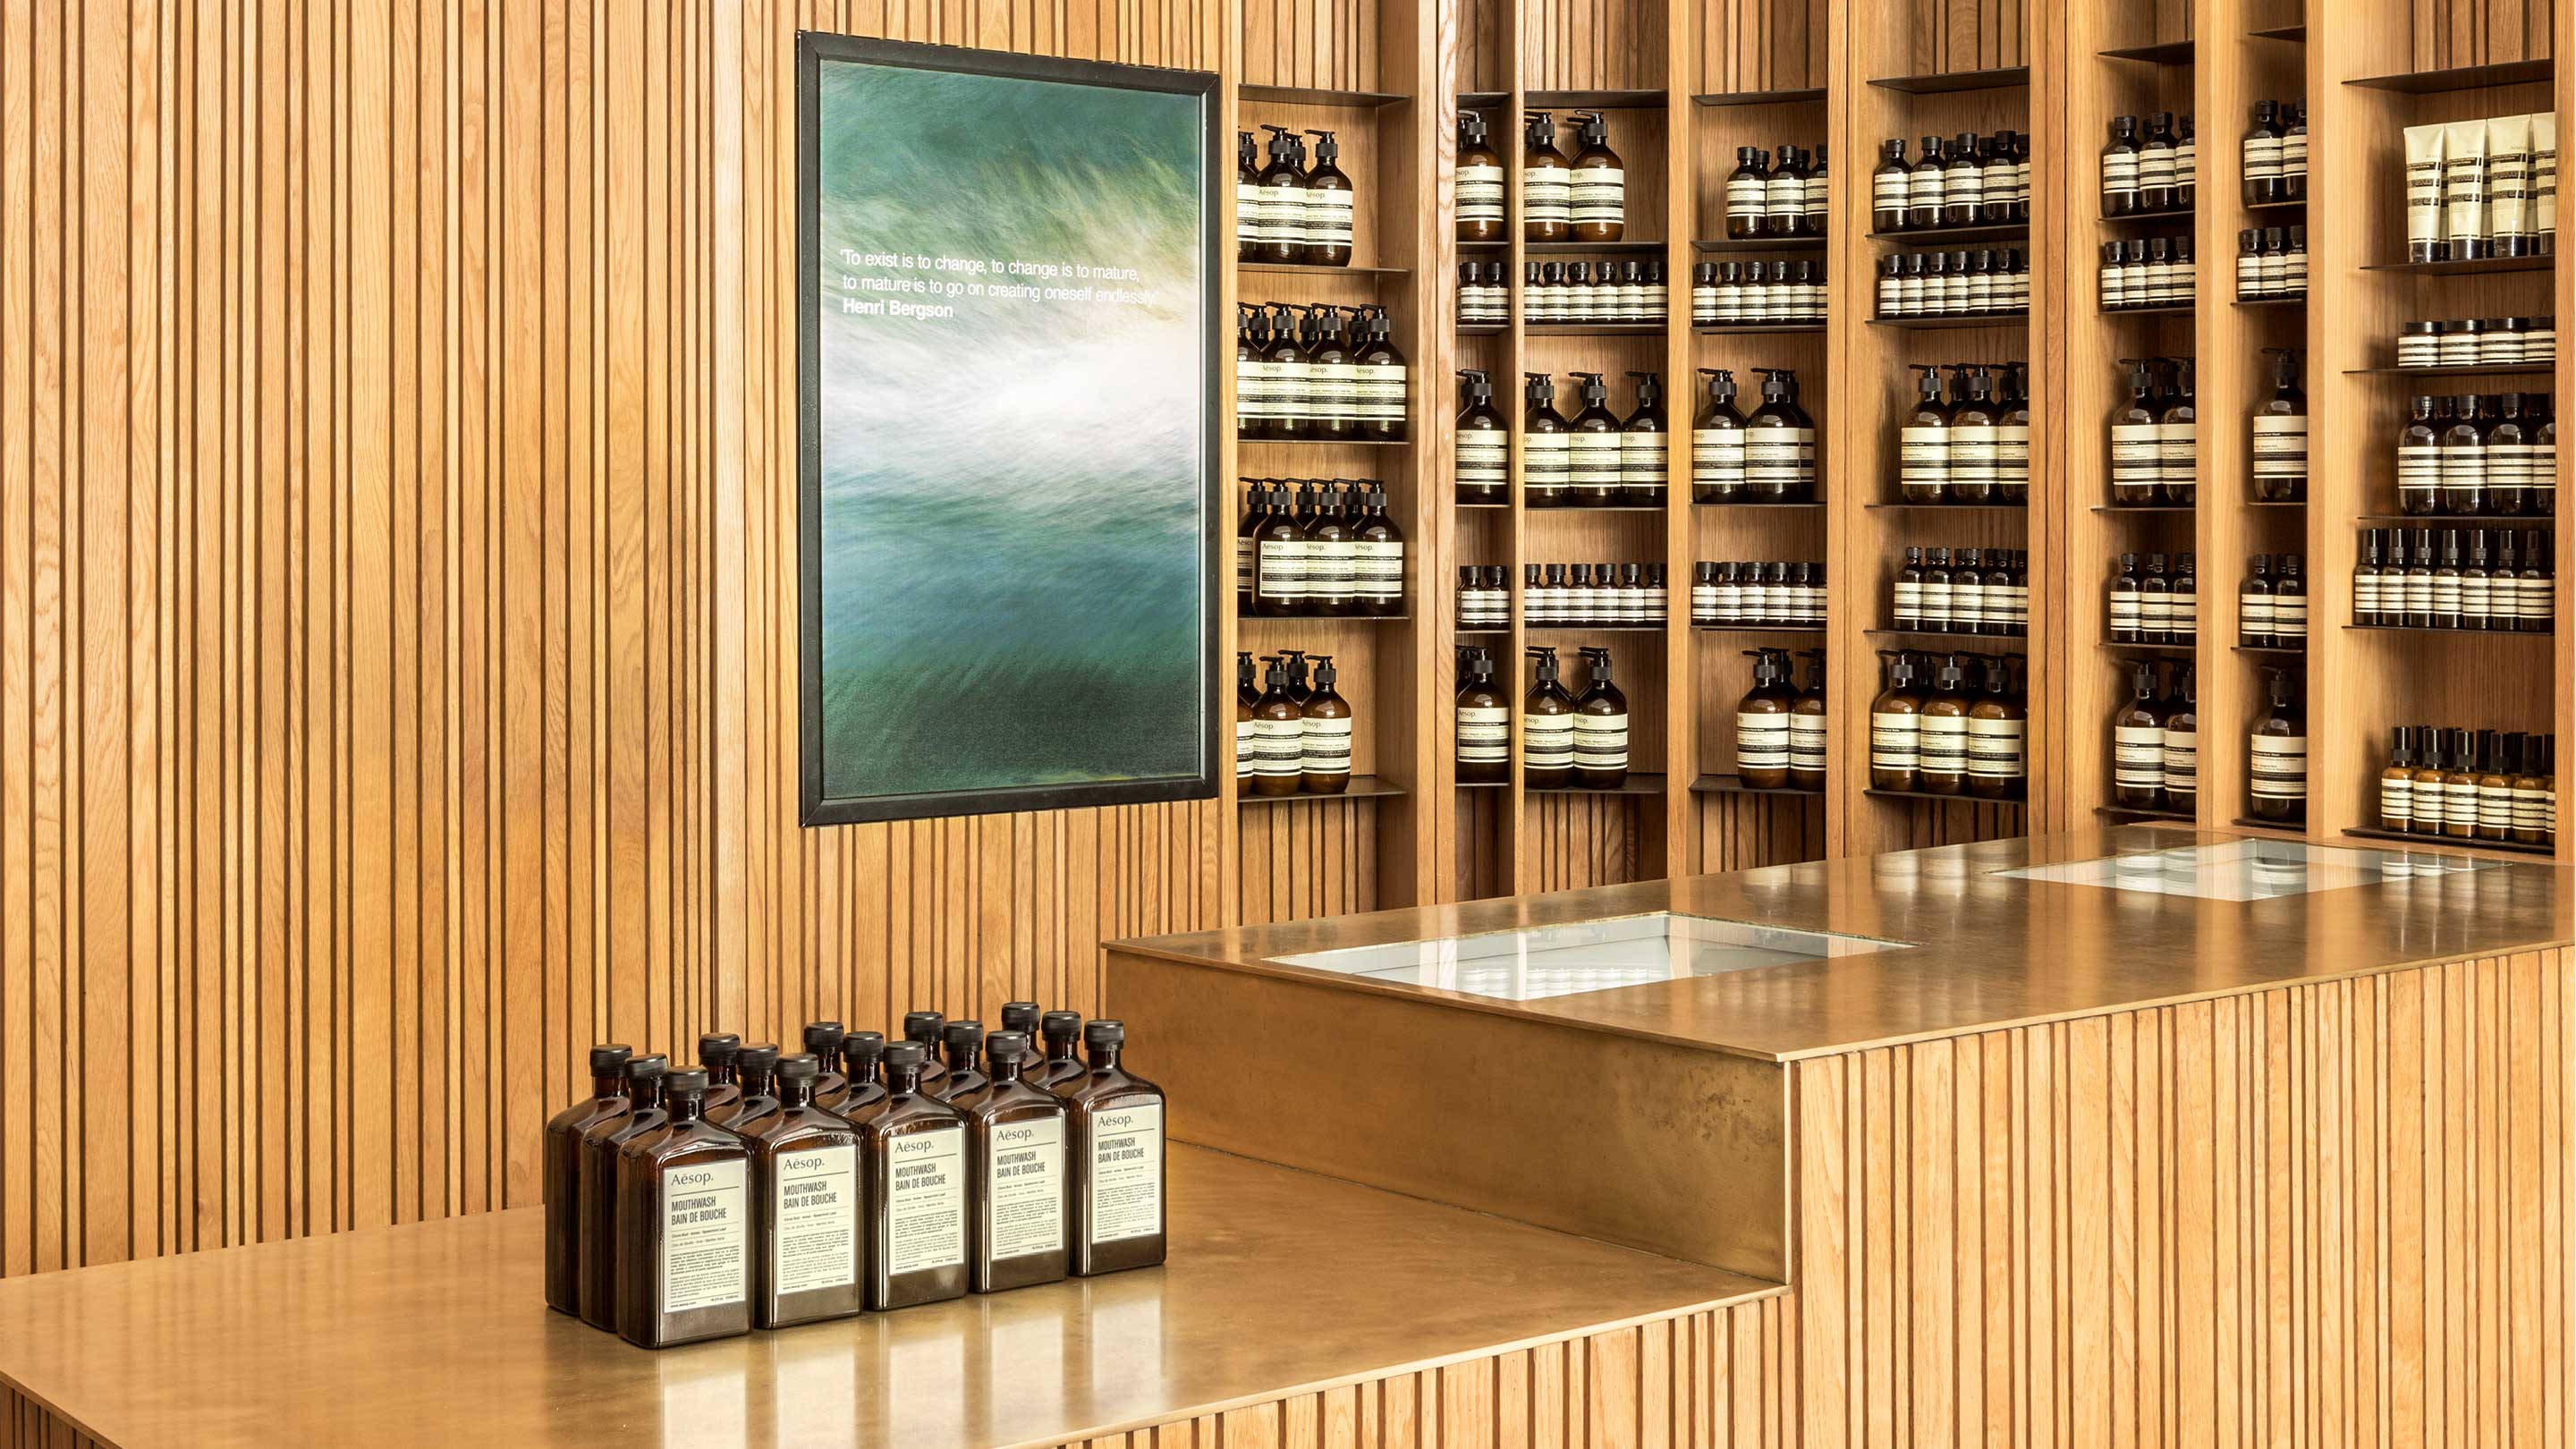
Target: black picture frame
<point x="813" y="48"/>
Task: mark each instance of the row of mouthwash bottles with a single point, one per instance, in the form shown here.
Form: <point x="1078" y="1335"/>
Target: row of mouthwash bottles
<point x="1330" y="551"/>
<point x="2493" y="454"/>
<point x="1973" y="449"/>
<point x="1286" y="213"/>
<point x="2482" y="785"/>
<point x="763" y="1189"/>
<point x="2155" y="436"/>
<point x="1322" y="373"/>
<point x="1584" y="199"/>
<point x="1780" y="729"/>
<point x="2155" y="741"/>
<point x="1951" y="724"/>
<point x="1568" y="741"/>
<point x="1292" y="736"/>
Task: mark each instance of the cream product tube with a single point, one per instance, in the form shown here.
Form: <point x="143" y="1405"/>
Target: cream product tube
<point x="2508" y="229"/>
<point x="2544" y="181"/>
<point x="2464" y="190"/>
<point x="2424" y="193"/>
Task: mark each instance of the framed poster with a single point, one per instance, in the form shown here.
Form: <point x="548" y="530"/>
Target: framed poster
<point x="1009" y="515"/>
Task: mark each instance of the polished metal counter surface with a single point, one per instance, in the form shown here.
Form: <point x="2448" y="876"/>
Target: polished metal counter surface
<point x="1983" y="950"/>
<point x="1279" y="1282"/>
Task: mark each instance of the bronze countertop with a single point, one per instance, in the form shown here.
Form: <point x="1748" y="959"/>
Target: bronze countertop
<point x="1279" y="1282"/>
<point x="1987" y="951"/>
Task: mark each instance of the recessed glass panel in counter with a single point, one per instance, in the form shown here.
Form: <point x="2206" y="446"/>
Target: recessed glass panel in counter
<point x="1543" y="961"/>
<point x="2247" y="870"/>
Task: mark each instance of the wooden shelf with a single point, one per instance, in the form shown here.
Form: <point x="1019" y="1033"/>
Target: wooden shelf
<point x="1317" y="269"/>
<point x="1613" y="100"/>
<point x="1362" y="787"/>
<point x="2500" y="369"/>
<point x="1323" y="442"/>
<point x="1754" y="329"/>
<point x="1954" y="324"/>
<point x="2148" y="651"/>
<point x="2146" y="218"/>
<point x="1555" y="628"/>
<point x="1760" y="628"/>
<point x="1592" y="329"/>
<point x="2014" y="802"/>
<point x="2121" y="508"/>
<point x="2479" y="267"/>
<point x="2296" y="299"/>
<point x="1734" y="785"/>
<point x="1819" y="503"/>
<point x="1763" y="244"/>
<point x="2132" y="812"/>
<point x="2171" y="52"/>
<point x="2463" y="78"/>
<point x="2269" y="651"/>
<point x="1953" y="507"/>
<point x="1637" y="785"/>
<point x="2443" y="842"/>
<point x="1946" y="82"/>
<point x="2453" y="633"/>
<point x="2294" y="34"/>
<point x="1760" y="98"/>
<point x="1944" y="636"/>
<point x="1942" y="235"/>
<point x="1572" y="249"/>
<point x="1302" y="96"/>
<point x="2184" y="309"/>
<point x="2259" y="207"/>
<point x="2458" y="520"/>
<point x="1325" y="619"/>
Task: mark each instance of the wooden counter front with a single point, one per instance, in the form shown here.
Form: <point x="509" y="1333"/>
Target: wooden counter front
<point x="1283" y="1288"/>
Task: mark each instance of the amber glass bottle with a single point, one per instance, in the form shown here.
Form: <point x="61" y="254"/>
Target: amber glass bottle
<point x="1022" y="1017"/>
<point x="1061" y="1032"/>
<point x="860" y="1053"/>
<point x="913" y="1153"/>
<point x="2138" y="743"/>
<point x="1941" y="731"/>
<point x="1019" y="1212"/>
<point x="805" y="1195"/>
<point x="684" y="1225"/>
<point x="960" y="1040"/>
<point x="2277" y="755"/>
<point x="755" y="1065"/>
<point x="599" y="1144"/>
<point x="1115" y="1123"/>
<point x="607" y="1100"/>
<point x="923" y="1027"/>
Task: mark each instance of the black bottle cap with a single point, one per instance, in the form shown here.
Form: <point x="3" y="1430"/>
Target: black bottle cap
<point x="686" y="1082"/>
<point x="860" y="1050"/>
<point x="1020" y="1016"/>
<point x="1005" y="1048"/>
<point x="902" y="1055"/>
<point x="1060" y="1025"/>
<point x="718" y="1047"/>
<point x="605" y="1060"/>
<point x="644" y="1068"/>
<point x="961" y="1035"/>
<point x="799" y="1066"/>
<point x="758" y="1060"/>
<point x="1104" y="1033"/>
<point x="922" y="1026"/>
<point x="823" y="1038"/>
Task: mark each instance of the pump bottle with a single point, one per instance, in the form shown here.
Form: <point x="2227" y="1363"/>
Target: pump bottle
<point x="1941" y="731"/>
<point x="1643" y="451"/>
<point x="2280" y="428"/>
<point x="2138" y="744"/>
<point x="1385" y="409"/>
<point x="1324" y="735"/>
<point x="1379" y="547"/>
<point x="1779" y="442"/>
<point x="1547" y="196"/>
<point x="1547" y="726"/>
<point x="2137" y="440"/>
<point x="2277" y="754"/>
<point x="1972" y="438"/>
<point x="1283" y="201"/>
<point x="1593" y="447"/>
<point x="1332" y="378"/>
<point x="1290" y="394"/>
<point x="1600" y="727"/>
<point x="1998" y="760"/>
<point x="1717" y="443"/>
<point x="1278" y="736"/>
<point x="1547" y="446"/>
<point x="1247" y="198"/>
<point x="2178" y="440"/>
<point x="1484" y="722"/>
<point x="1598" y="195"/>
<point x="1923" y="442"/>
<point x="1326" y="234"/>
<point x="1480" y="182"/>
<point x="1809" y="726"/>
<point x="1484" y="443"/>
<point x="2181" y="711"/>
<point x="1765" y="722"/>
<point x="1895" y="733"/>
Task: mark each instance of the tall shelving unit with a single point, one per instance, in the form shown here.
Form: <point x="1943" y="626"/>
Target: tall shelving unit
<point x="1683" y="83"/>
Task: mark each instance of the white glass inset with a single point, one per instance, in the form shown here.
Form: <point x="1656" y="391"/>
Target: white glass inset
<point x="1544" y="961"/>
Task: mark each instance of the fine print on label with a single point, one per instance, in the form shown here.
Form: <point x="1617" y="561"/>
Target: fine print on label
<point x="1127" y="1173"/>
<point x="1024" y="1211"/>
<point x="704" y="1233"/>
<point x="925" y="1217"/>
<point x="815" y="1243"/>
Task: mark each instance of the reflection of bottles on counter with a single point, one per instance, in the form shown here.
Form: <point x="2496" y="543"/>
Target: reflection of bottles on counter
<point x="1324" y="735"/>
<point x="1643" y="443"/>
<point x="1810" y="725"/>
<point x="1480" y="182"/>
<point x="1484" y="443"/>
<point x="1895" y="731"/>
<point x="2138" y="744"/>
<point x="1717" y="443"/>
<point x="1547" y="726"/>
<point x="1327" y="229"/>
<point x="1764" y="720"/>
<point x="1998" y="728"/>
<point x="2277" y="753"/>
<point x="1547" y="446"/>
<point x="1600" y="726"/>
<point x="1547" y="183"/>
<point x="1278" y="735"/>
<point x="1484" y="722"/>
<point x="1597" y="190"/>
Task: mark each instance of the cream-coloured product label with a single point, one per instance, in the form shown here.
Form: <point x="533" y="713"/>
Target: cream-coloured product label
<point x="1642" y="460"/>
<point x="2495" y="808"/>
<point x="1546" y="194"/>
<point x="1024" y="1188"/>
<point x="1484" y="734"/>
<point x="1747" y="196"/>
<point x="1127" y="1173"/>
<point x="2262" y="158"/>
<point x="1381" y="569"/>
<point x="2278" y="765"/>
<point x="2417" y="593"/>
<point x="2530" y="809"/>
<point x="1923" y="186"/>
<point x="2137" y="454"/>
<point x="2138" y="756"/>
<point x="2119" y="173"/>
<point x="1484" y="457"/>
<point x="2125" y="612"/>
<point x="1906" y="601"/>
<point x="2182" y="762"/>
<point x="1888" y="191"/>
<point x="2254" y="613"/>
<point x="1283" y="214"/>
<point x="2446" y="597"/>
<point x="1972" y="454"/>
<point x="2419" y="470"/>
<point x="1807" y="734"/>
<point x="2396" y="801"/>
<point x="1941" y="744"/>
<point x="1895" y="742"/>
<point x="1593" y="460"/>
<point x="1547" y="461"/>
<point x="2460" y="804"/>
<point x="1597" y="194"/>
<point x="1333" y="391"/>
<point x="706" y="1233"/>
<point x="1785" y="200"/>
<point x="2178" y="453"/>
<point x="1703" y="603"/>
<point x="1601" y="742"/>
<point x="1278" y="747"/>
<point x="2012" y="454"/>
<point x="2280" y="447"/>
<point x="1324" y="746"/>
<point x="1547" y="741"/>
<point x="1995" y="749"/>
<point x="1284" y="566"/>
<point x="2290" y="617"/>
<point x="1328" y="217"/>
<point x="1256" y="390"/>
<point x="814" y="1233"/>
<point x="1243" y="748"/>
<point x="1762" y="741"/>
<point x="2155" y="166"/>
<point x="1480" y="193"/>
<point x="1773" y="457"/>
<point x="1717" y="457"/>
<point x="1381" y="392"/>
<point x="1247" y="213"/>
<point x="925" y="1216"/>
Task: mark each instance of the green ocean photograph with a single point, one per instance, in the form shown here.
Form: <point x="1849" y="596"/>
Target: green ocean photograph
<point x="1010" y="505"/>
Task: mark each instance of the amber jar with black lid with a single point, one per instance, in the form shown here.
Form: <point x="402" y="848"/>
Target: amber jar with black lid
<point x="599" y="1146"/>
<point x="913" y="1159"/>
<point x="684" y="1225"/>
<point x="1114" y="1131"/>
<point x="1019" y="1213"/>
<point x="606" y="1102"/>
<point x="806" y="1200"/>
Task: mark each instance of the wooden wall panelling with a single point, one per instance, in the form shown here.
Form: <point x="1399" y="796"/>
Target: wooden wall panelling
<point x="2481" y="32"/>
<point x="2195" y="1266"/>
